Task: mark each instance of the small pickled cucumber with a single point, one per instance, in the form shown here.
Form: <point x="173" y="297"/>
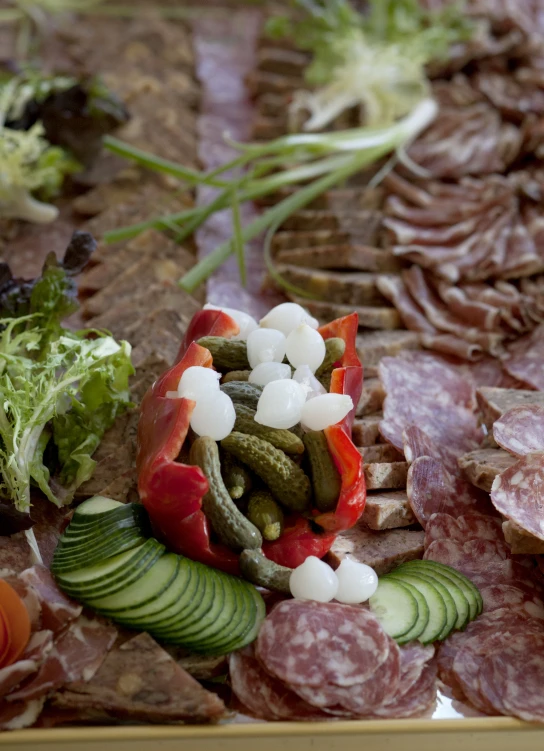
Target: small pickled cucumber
<point x="242" y="392"/>
<point x="231" y="526"/>
<point x="235" y="476"/>
<point x="265" y="514"/>
<point x="334" y="350"/>
<point x="287" y="482"/>
<point x="236" y="375"/>
<point x="285" y="440"/>
<point x="226" y="354"/>
<point x="261" y="571"/>
<point x="326" y="480"/>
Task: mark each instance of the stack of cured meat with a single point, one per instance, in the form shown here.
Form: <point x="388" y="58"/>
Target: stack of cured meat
<point x="457" y="257"/>
<point x="75" y="664"/>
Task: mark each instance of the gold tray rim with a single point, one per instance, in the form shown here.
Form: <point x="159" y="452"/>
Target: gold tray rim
<point x="90" y="734"/>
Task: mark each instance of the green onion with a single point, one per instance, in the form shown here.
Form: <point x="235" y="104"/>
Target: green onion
<point x="238" y="237"/>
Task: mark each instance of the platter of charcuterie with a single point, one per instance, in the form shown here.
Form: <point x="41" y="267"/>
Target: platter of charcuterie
<point x="271" y="349"/>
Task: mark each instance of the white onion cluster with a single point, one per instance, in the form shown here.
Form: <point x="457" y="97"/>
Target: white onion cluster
<point x="351" y="583"/>
<point x="213" y="415"/>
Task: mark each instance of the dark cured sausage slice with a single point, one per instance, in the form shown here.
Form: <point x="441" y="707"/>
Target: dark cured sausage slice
<point x="497" y="596"/>
<point x="518" y="494"/>
<point x="363" y="698"/>
<point x="432" y="489"/>
<point x="311" y="644"/>
<point x="463" y="528"/>
<point x="521" y="430"/>
<point x="419" y="699"/>
<point x="263" y="695"/>
<point x="511" y="679"/>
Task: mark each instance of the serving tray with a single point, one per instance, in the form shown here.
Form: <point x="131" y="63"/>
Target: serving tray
<point x="483" y="734"/>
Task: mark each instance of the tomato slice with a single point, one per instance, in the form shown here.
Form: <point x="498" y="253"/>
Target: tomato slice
<point x="5" y="637"/>
<point x="18" y="622"/>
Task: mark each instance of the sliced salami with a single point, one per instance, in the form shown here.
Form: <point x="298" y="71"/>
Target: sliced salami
<point x="468" y="557"/>
<point x="508" y="596"/>
<point x="417" y="701"/>
<point x="57" y="609"/>
<point x="423" y="390"/>
<point x="432" y="489"/>
<point x="264" y="696"/>
<point x="311" y="644"/>
<point x="518" y="494"/>
<point x="360" y="699"/>
<point x="476" y="526"/>
<point x="526" y="358"/>
<point x="417" y="443"/>
<point x="441" y="527"/>
<point x="521" y="430"/>
<point x="511" y="679"/>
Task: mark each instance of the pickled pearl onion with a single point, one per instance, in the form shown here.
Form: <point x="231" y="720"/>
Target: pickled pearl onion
<point x="265" y="345"/>
<point x="246" y="322"/>
<point x="305" y="346"/>
<point x="313" y="580"/>
<point x="266" y="372"/>
<point x="198" y="383"/>
<point x="280" y="404"/>
<point x="214" y="417"/>
<point x="325" y="410"/>
<point x="357" y="582"/>
<point x="286" y="317"/>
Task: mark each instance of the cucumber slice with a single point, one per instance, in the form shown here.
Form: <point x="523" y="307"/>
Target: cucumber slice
<point x="146" y="590"/>
<point x="423" y="617"/>
<point x="461" y="601"/>
<point x="395" y="607"/>
<point x="113" y="574"/>
<point x="442" y="610"/>
<point x="65" y="560"/>
<point x="257" y="613"/>
<point x="98" y="504"/>
<point x="469" y="589"/>
<point x="173" y="632"/>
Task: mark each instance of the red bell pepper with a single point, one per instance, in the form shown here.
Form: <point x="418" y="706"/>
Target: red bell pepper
<point x="172" y="491"/>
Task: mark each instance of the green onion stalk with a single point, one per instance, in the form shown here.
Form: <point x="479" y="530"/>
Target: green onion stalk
<point x="320" y="161"/>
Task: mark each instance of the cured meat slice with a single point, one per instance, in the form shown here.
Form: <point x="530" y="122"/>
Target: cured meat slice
<point x="494" y="402"/>
<point x="417" y="443"/>
<point x="138" y="680"/>
<point x="76" y="655"/>
<point x="421" y="389"/>
<point x="360" y="699"/>
<point x="521" y="430"/>
<point x="467" y="557"/>
<point x="419" y="699"/>
<point x="15" y="553"/>
<point x="431" y="489"/>
<point x="511" y="678"/>
<point x="19" y="714"/>
<point x="413" y="659"/>
<point x="497" y="596"/>
<point x="307" y="644"/>
<point x="57" y="609"/>
<point x="263" y="695"/>
<point x="37" y="649"/>
<point x="463" y="528"/>
<point x="518" y="494"/>
<point x="49" y="521"/>
<point x="526" y="358"/>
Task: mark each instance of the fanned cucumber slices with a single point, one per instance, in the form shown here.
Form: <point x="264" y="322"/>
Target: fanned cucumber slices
<point x="425" y="600"/>
<point x="108" y="560"/>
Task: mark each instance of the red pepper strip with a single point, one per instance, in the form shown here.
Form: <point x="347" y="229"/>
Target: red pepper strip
<point x="172" y="492"/>
<point x="208" y="323"/>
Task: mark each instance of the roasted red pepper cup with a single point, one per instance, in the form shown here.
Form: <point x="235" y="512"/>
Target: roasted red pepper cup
<point x="172" y="492"/>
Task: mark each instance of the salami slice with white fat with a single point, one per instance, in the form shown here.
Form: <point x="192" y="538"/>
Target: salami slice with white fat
<point x="467" y="557"/>
<point x="521" y="430"/>
<point x="432" y="489"/>
<point x="417" y="701"/>
<point x="417" y="443"/>
<point x="360" y="699"/>
<point x="413" y="658"/>
<point x="518" y="494"/>
<point x="497" y="596"/>
<point x="423" y="390"/>
<point x="305" y="644"/>
<point x="511" y="679"/>
<point x="264" y="696"/>
<point x="463" y="528"/>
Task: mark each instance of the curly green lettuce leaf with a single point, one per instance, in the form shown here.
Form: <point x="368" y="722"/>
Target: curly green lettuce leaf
<point x="78" y="432"/>
<point x="33" y="392"/>
<point x="30" y="165"/>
